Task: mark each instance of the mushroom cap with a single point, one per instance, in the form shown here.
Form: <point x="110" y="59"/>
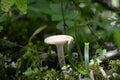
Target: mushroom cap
<point x="58" y="39"/>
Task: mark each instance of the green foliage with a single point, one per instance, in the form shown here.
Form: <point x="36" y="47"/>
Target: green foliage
<point x="95" y="62"/>
<point x="21" y="5"/>
<point x="6" y="5"/>
<point x="115" y="66"/>
<point x="1" y="28"/>
<point x="29" y="67"/>
<point x="116" y="36"/>
<point x="3" y="76"/>
<point x="76" y="65"/>
<point x="98" y="75"/>
<point x="50" y="75"/>
<point x="29" y="63"/>
<point x="3" y="17"/>
<point x="101" y="51"/>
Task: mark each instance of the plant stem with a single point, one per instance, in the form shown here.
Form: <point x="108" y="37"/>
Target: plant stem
<point x="86" y="56"/>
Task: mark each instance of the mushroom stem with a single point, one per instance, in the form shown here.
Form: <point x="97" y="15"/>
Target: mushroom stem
<point x="60" y="52"/>
<point x="92" y="75"/>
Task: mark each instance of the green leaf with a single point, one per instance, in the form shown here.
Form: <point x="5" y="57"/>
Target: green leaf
<point x="6" y="5"/>
<point x="95" y="62"/>
<point x="101" y="51"/>
<point x="116" y="36"/>
<point x="21" y="5"/>
<point x="72" y="15"/>
<point x="55" y="8"/>
<point x="68" y="22"/>
<point x="1" y="28"/>
<point x="3" y="17"/>
<point x="56" y="17"/>
<point x="28" y="72"/>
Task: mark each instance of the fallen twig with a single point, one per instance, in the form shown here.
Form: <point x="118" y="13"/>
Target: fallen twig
<point x="109" y="54"/>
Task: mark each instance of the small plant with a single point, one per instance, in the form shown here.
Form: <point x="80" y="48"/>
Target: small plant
<point x="76" y="65"/>
<point x="115" y="66"/>
<point x="28" y="66"/>
<point x="3" y="75"/>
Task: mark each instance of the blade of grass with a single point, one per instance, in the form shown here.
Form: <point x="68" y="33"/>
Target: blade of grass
<point x="36" y="32"/>
<point x="86" y="56"/>
<point x="75" y="35"/>
<point x="78" y="48"/>
<point x="73" y="63"/>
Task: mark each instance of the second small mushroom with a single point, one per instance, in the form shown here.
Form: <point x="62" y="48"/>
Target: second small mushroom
<point x="59" y="41"/>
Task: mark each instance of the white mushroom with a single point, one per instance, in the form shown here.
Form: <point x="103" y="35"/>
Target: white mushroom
<point x="59" y="41"/>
